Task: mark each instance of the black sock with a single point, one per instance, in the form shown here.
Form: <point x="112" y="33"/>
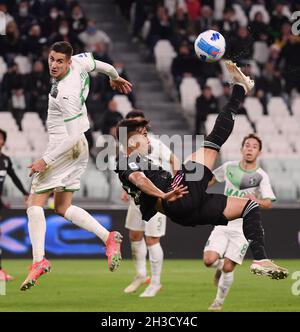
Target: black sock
<point x="253" y="230"/>
<point x="225" y="120"/>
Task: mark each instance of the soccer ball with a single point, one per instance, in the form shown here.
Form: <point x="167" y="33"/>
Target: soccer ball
<point x="210" y="46"/>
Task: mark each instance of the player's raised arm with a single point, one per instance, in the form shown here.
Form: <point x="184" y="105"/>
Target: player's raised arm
<point x="116" y="82"/>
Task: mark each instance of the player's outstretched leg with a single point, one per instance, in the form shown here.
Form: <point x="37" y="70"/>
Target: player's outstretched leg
<point x="254" y="233"/>
<point x="112" y="240"/>
<point x="225" y="121"/>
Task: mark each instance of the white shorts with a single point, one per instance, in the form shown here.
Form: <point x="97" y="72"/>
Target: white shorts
<point x="227" y="243"/>
<point x="64" y="174"/>
<point x="155" y="227"/>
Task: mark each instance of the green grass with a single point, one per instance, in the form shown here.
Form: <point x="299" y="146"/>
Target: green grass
<point x="87" y="285"/>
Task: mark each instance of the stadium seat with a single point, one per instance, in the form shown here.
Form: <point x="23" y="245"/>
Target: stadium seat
<point x="124" y="105"/>
<point x="265" y="125"/>
<point x="272" y="165"/>
<point x="210" y="121"/>
<point x="164" y="54"/>
<point x="261" y="52"/>
<point x="259" y="8"/>
<point x="24" y="64"/>
<point x="284" y="187"/>
<point x="216" y="86"/>
<point x="240" y="15"/>
<point x="292" y="165"/>
<point x="287" y="125"/>
<point x="96" y="184"/>
<point x="254" y="108"/>
<point x="189" y="91"/>
<point x="276" y="107"/>
<point x="3" y="68"/>
<point x="296" y="107"/>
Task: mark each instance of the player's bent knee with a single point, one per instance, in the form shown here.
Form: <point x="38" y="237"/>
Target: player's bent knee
<point x="136" y="235"/>
<point x="228" y="266"/>
<point x="209" y="259"/>
<point x="151" y="241"/>
<point x="60" y="210"/>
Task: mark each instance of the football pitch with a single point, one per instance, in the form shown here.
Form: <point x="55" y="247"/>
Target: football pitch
<point x="87" y="285"/>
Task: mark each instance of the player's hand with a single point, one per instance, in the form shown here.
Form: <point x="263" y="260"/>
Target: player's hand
<point x="124" y="196"/>
<point x="121" y="85"/>
<point x="37" y="166"/>
<point x="176" y="193"/>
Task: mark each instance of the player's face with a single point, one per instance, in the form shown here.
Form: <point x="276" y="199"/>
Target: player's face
<point x="250" y="150"/>
<point x="139" y="141"/>
<point x="59" y="64"/>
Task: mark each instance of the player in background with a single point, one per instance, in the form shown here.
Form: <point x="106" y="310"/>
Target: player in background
<point x="6" y="167"/>
<point x="183" y="198"/>
<point x="227" y="245"/>
<point x="146" y="235"/>
<point x="66" y="156"/>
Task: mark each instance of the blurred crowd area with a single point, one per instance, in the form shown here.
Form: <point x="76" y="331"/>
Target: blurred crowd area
<point x="258" y="35"/>
<point x="31" y="28"/>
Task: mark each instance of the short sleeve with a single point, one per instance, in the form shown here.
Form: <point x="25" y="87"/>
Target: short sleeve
<point x="126" y="167"/>
<point x="265" y="188"/>
<point x="220" y="173"/>
<point x="86" y="61"/>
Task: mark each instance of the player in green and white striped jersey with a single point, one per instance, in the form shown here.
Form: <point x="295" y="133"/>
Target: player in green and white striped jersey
<point x="227" y="245"/>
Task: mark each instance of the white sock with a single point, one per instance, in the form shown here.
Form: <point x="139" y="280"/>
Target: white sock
<point x="156" y="256"/>
<point x="139" y="253"/>
<point x="37" y="231"/>
<point x="83" y="219"/>
<point x="224" y="285"/>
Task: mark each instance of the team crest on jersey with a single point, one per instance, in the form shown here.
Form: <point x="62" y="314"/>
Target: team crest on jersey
<point x="252" y="182"/>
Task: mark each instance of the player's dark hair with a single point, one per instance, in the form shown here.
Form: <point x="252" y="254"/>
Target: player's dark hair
<point x="254" y="136"/>
<point x="62" y="47"/>
<point x="131" y="126"/>
<point x="135" y="114"/>
<point x="4" y="134"/>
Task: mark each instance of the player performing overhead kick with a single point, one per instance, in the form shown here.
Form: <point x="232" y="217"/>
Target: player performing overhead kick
<point x="66" y="156"/>
<point x="185" y="201"/>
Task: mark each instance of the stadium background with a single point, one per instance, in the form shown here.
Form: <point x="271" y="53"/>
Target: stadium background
<point x="151" y="44"/>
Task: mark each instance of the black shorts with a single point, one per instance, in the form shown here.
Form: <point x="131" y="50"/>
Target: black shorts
<point x="197" y="207"/>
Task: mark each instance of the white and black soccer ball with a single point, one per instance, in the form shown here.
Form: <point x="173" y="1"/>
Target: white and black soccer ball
<point x="210" y="46"/>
